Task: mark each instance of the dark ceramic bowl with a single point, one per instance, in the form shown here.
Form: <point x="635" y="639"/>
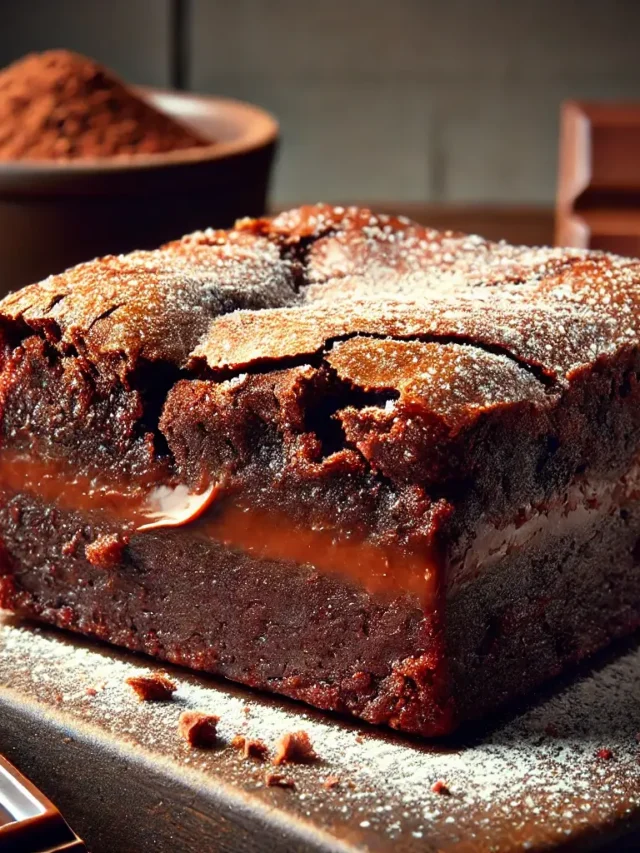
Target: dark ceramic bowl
<point x="55" y="214"/>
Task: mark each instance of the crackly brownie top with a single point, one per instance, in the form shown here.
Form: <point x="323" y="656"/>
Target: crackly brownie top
<point x="346" y="346"/>
<point x="277" y="290"/>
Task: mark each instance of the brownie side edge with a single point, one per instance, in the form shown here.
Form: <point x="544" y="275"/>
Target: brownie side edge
<point x="272" y="625"/>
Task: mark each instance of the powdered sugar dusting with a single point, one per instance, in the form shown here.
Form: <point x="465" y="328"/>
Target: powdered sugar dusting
<point x="556" y="308"/>
<point x="539" y="777"/>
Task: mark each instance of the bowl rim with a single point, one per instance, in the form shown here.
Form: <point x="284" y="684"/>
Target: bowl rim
<point x="261" y="129"/>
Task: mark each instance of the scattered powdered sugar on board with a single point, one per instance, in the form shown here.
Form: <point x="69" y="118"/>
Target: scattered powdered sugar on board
<point x="540" y="777"/>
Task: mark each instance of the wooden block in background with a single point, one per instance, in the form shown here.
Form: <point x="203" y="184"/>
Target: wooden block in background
<point x="598" y="202"/>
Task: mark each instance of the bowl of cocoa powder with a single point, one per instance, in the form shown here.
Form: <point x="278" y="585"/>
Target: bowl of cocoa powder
<point x="90" y="166"/>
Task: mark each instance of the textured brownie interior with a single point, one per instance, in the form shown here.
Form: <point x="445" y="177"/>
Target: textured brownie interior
<point x="423" y="446"/>
<point x="540" y="609"/>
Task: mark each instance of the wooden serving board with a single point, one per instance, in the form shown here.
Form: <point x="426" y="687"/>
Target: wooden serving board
<point x="561" y="773"/>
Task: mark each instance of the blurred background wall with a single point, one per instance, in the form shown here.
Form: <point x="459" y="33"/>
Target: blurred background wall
<point x="446" y="101"/>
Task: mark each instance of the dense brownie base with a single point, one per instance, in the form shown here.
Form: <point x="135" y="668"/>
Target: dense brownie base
<point x="321" y="637"/>
<point x="552" y="603"/>
<point x="273" y="625"/>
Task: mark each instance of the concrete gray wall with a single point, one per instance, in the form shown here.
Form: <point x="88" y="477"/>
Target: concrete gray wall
<point x="399" y="100"/>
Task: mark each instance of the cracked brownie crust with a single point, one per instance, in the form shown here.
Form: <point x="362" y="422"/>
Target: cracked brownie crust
<point x="420" y="450"/>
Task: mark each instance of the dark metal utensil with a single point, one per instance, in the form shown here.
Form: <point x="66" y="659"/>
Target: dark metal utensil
<point x="29" y="822"/>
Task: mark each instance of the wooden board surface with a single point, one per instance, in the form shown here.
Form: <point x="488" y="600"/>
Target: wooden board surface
<point x="539" y="778"/>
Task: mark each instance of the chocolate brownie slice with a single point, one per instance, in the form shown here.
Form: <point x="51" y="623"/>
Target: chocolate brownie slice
<point x="339" y="456"/>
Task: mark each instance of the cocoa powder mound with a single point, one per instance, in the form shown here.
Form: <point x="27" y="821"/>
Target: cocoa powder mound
<point x="59" y="105"/>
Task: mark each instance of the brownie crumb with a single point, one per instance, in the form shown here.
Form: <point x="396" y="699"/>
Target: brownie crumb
<point x="331" y="782"/>
<point x="152" y="688"/>
<point x="198" y="729"/>
<point x="294" y="747"/>
<point x="106" y="552"/>
<point x="246" y="709"/>
<point x="604" y="754"/>
<point x="251" y="747"/>
<point x="441" y="787"/>
<point x="91" y="691"/>
<point x="277" y="780"/>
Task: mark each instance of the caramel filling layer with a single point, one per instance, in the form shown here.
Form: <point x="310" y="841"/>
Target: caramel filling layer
<point x="269" y="534"/>
<point x="223" y="518"/>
